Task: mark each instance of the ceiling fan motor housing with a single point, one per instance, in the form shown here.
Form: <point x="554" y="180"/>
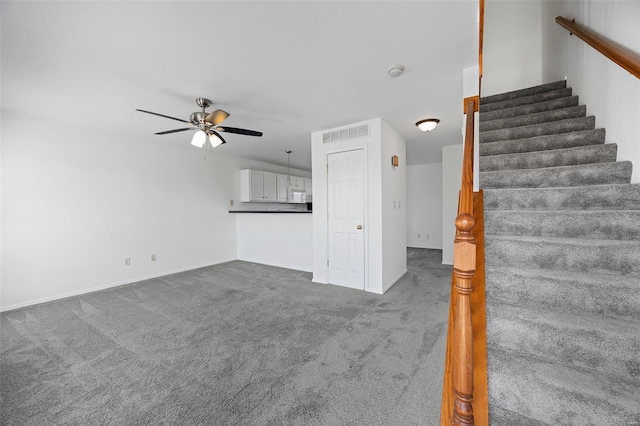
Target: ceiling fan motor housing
<point x="198" y="117"/>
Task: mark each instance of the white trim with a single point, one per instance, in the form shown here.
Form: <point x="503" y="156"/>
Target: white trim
<point x="105" y="286"/>
<point x="360" y="146"/>
<point x="387" y="287"/>
<point x="277" y="265"/>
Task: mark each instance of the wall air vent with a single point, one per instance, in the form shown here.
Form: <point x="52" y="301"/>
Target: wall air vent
<point x="345" y="134"/>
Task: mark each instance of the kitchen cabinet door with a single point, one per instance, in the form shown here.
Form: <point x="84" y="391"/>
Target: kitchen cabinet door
<point x="281" y="185"/>
<point x="270" y="192"/>
<point x="257" y="185"/>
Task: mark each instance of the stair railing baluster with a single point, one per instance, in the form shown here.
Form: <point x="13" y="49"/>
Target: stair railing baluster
<point x="464" y="266"/>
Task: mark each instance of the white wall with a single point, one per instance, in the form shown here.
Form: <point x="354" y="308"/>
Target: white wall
<point x="424" y="206"/>
<point x="278" y="239"/>
<point x="511" y="36"/>
<point x="75" y="203"/>
<point x="376" y="170"/>
<point x="451" y="181"/>
<point x="394" y="207"/>
<point x="609" y="92"/>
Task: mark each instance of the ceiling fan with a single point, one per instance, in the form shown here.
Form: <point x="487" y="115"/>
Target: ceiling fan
<point x="206" y="124"/>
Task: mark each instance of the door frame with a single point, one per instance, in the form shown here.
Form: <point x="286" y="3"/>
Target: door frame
<point x="365" y="203"/>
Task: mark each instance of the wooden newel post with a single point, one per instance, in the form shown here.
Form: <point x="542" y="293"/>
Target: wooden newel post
<point x="464" y="265"/>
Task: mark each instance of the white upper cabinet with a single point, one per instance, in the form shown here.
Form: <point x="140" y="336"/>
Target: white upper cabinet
<point x="256" y="185"/>
<point x="259" y="186"/>
<point x="282" y="188"/>
<point x="270" y="187"/>
<point x="297" y="183"/>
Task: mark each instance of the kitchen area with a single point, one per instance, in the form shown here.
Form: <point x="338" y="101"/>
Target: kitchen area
<point x="274" y="219"/>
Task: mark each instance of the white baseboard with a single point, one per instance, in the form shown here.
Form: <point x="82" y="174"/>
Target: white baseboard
<point x="424" y="246"/>
<point x="280" y="265"/>
<point x="105" y="286"/>
<point x="388" y="286"/>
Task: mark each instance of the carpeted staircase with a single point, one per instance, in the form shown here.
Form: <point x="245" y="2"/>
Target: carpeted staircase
<point x="562" y="246"/>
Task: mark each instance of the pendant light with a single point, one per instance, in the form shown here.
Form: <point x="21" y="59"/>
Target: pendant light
<point x="288" y="168"/>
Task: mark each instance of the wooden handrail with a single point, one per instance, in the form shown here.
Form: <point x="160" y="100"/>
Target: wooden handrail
<point x="622" y="56"/>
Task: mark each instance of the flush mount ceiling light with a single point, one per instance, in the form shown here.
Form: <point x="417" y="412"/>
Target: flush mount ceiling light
<point x="428" y="124"/>
<point x="396" y="71"/>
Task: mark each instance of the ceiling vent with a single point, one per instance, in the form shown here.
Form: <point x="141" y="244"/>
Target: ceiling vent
<point x="345" y="134"/>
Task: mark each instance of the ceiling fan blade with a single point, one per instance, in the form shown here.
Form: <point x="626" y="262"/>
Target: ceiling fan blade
<point x="162" y="115"/>
<point x="166" y="132"/>
<point x="216" y="117"/>
<point x="238" y="131"/>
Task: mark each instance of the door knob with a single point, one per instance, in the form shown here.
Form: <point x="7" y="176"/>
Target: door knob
<point x="359" y="227"/>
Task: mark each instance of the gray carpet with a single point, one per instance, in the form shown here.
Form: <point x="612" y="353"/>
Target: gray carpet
<point x="232" y="344"/>
<point x="562" y="250"/>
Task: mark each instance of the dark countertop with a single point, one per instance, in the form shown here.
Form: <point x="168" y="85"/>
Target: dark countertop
<point x="270" y="211"/>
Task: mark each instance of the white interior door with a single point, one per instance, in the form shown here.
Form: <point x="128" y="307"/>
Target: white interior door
<point x="346" y="218"/>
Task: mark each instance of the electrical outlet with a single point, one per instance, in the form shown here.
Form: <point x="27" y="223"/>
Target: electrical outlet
<point x="418" y="235"/>
<point x="394" y="204"/>
<point x="127" y="261"/>
<point x="428" y="236"/>
<point x="153" y="257"/>
<point x="230" y="202"/>
<point x="398" y="204"/>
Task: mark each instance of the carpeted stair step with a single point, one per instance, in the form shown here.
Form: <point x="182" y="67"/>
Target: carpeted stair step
<point x="606" y="295"/>
<point x="552" y="128"/>
<point x="529" y="109"/>
<point x="564" y="254"/>
<point x="595" y="197"/>
<point x="551" y="158"/>
<point x="584" y="174"/>
<point x="525" y="100"/>
<point x="556" y="394"/>
<point x="590" y="224"/>
<point x="547" y="87"/>
<point x="609" y="346"/>
<point x="541" y="143"/>
<point x="535" y="118"/>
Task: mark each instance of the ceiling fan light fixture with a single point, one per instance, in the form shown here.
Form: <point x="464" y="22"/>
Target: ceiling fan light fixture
<point x="214" y="140"/>
<point x="199" y="138"/>
<point x="428" y="124"/>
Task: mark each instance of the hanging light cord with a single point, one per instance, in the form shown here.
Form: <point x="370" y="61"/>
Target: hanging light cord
<point x="288" y="168"/>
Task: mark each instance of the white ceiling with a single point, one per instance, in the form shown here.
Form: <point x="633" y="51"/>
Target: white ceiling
<point x="284" y="68"/>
